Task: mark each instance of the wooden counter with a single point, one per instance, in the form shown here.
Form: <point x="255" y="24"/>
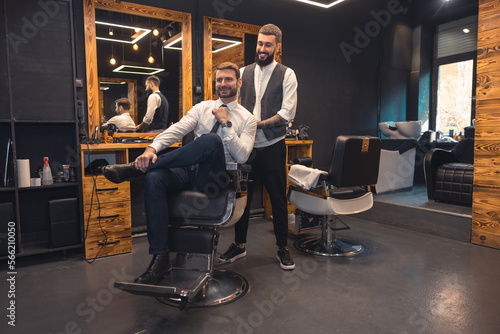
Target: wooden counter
<point x="107" y="206"/>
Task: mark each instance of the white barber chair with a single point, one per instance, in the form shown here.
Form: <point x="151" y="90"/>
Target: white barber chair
<point x="343" y="191"/>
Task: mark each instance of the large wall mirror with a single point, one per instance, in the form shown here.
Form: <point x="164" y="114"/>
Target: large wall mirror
<point x="127" y="42"/>
<point x="225" y="40"/>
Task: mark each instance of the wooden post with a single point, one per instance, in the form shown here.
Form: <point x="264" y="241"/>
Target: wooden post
<point x="486" y="196"/>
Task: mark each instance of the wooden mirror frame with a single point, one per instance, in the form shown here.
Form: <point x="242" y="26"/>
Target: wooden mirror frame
<point x="91" y="50"/>
<point x="209" y="25"/>
<point x="131" y="95"/>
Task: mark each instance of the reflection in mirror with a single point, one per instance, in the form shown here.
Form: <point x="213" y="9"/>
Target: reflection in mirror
<point x="129" y="49"/>
<point x="110" y="90"/>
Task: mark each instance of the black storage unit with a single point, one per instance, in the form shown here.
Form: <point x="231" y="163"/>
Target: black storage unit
<point x="38" y="114"/>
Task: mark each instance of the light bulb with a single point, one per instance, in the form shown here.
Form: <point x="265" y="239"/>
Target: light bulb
<point x="112" y="61"/>
<point x="137" y="30"/>
<point x="135" y="47"/>
<point x="466" y="31"/>
<point x="151" y="59"/>
<point x="156" y="32"/>
<point x="110" y="31"/>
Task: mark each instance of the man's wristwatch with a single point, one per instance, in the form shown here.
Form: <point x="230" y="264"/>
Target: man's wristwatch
<point x="228" y="124"/>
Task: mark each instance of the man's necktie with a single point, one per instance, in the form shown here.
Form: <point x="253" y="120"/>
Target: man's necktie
<point x="217" y="124"/>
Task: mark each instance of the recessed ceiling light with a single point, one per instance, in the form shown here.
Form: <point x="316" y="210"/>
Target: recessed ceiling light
<point x="323" y="5"/>
<point x="227" y="42"/>
<point x="135" y="69"/>
<point x="466" y="31"/>
<point x="137" y="36"/>
<point x="174" y="42"/>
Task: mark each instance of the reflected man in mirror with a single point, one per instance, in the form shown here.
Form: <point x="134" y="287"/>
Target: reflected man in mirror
<point x="156" y="117"/>
<point x="122" y="120"/>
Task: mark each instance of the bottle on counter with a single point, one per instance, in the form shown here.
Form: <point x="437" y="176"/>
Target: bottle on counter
<point x="46" y="173"/>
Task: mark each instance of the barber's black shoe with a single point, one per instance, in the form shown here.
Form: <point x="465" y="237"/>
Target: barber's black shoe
<point x="121" y="172"/>
<point x="233" y="253"/>
<point x="157" y="270"/>
<point x="285" y="260"/>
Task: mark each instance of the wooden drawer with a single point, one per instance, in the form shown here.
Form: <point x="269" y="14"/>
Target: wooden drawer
<point x="111" y="215"/>
<point x="106" y="190"/>
<point x="118" y="241"/>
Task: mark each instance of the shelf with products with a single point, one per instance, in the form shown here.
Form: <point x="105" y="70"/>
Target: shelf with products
<point x="36" y="141"/>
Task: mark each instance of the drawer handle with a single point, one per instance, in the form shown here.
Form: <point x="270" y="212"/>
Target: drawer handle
<point x="108" y="243"/>
<point x="107" y="217"/>
<point x="107" y="189"/>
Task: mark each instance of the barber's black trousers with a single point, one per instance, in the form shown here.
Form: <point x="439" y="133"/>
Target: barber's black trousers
<point x="270" y="163"/>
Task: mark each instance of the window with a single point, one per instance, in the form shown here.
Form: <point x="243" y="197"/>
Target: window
<point x="454" y="96"/>
<point x="454" y="75"/>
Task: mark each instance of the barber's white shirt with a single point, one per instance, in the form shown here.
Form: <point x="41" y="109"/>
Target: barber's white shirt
<point x="154" y="101"/>
<point x="123" y="122"/>
<point x="238" y="140"/>
<point x="288" y="106"/>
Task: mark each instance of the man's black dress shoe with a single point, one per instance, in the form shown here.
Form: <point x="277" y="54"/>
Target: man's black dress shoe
<point x="121" y="172"/>
<point x="157" y="270"/>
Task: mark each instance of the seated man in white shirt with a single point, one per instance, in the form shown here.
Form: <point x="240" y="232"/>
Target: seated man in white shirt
<point x="123" y="121"/>
<point x="224" y="132"/>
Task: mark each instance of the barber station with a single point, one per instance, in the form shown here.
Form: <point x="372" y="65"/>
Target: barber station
<point x="249" y="166"/>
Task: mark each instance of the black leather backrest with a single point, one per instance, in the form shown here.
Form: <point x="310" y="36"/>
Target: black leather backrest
<point x="355" y="161"/>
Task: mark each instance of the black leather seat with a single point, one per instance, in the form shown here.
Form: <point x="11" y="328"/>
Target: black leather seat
<point x="449" y="175"/>
<point x="194" y="222"/>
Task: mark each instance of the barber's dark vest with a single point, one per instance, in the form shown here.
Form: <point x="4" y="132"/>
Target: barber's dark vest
<point x="271" y="100"/>
<point x="160" y="119"/>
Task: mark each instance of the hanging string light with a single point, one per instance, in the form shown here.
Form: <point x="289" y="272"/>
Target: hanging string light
<point x="150" y="59"/>
<point x="112" y="61"/>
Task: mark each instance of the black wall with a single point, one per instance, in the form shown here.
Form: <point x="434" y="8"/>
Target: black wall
<point x="382" y="81"/>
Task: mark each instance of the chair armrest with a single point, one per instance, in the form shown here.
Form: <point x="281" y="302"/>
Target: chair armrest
<point x="432" y="160"/>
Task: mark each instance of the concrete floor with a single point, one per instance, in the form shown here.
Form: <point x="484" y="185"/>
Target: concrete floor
<point x="406" y="282"/>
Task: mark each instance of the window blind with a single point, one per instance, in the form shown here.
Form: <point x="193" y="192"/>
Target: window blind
<point x="451" y="39"/>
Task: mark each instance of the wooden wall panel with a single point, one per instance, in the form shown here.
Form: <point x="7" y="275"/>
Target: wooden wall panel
<point x="486" y="199"/>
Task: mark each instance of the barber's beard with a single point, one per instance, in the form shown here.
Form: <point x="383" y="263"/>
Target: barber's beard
<point x="149" y="91"/>
<point x="265" y="62"/>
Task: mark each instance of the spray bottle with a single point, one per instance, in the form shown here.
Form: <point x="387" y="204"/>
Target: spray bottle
<point x="47" y="173"/>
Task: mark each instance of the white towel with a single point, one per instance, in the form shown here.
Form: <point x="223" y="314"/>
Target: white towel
<point x="305" y="177"/>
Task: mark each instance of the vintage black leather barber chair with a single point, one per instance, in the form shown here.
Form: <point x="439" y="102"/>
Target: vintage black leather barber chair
<point x="344" y="190"/>
<point x="194" y="223"/>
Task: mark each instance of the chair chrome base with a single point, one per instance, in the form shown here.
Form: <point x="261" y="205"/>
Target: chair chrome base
<point x="339" y="247"/>
<point x="224" y="287"/>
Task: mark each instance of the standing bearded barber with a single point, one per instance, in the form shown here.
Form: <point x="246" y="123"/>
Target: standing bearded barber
<point x="269" y="91"/>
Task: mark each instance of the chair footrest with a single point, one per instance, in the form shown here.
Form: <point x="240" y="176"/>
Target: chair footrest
<point x="180" y="282"/>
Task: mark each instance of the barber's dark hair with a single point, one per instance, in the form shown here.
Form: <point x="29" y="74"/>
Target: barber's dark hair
<point x="154" y="79"/>
<point x="271" y="29"/>
<point x="229" y="66"/>
<point x="123" y="102"/>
